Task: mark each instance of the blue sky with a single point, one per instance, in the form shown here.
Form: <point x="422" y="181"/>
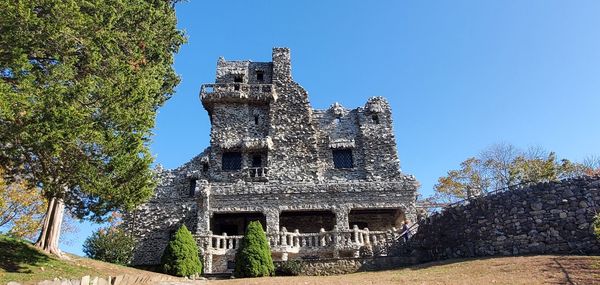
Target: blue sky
<point x="459" y="75"/>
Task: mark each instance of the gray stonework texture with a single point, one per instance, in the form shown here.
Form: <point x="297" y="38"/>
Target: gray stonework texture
<point x="271" y="154"/>
<point x="547" y="218"/>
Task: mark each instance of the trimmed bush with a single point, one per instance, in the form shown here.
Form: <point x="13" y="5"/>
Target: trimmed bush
<point x="596" y="225"/>
<point x="112" y="245"/>
<point x="253" y="258"/>
<point x="289" y="268"/>
<point x="181" y="255"/>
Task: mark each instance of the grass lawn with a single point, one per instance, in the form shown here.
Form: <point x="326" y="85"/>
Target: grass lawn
<point x="541" y="269"/>
<point x="21" y="262"/>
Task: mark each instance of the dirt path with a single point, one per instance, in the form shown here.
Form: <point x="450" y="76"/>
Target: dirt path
<point x="503" y="270"/>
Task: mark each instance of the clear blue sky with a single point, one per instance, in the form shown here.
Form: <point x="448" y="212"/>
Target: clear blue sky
<point x="460" y="75"/>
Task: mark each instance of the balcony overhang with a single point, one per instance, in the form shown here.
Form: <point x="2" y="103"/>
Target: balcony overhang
<point x="236" y="93"/>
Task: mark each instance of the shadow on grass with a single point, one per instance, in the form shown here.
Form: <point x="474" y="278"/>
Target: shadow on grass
<point x="17" y="255"/>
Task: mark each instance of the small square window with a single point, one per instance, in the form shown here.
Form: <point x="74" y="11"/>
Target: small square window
<point x="238" y="79"/>
<point x="260" y="75"/>
<point x="375" y="119"/>
<point x="342" y="158"/>
<point x="232" y="161"/>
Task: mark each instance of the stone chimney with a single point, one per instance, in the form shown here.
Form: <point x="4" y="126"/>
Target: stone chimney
<point x="282" y="69"/>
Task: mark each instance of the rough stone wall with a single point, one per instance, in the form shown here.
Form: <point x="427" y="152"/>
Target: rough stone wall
<point x="336" y="266"/>
<point x="541" y="219"/>
<point x="228" y="70"/>
<point x="293" y="133"/>
<point x="339" y="129"/>
<point x="153" y="223"/>
<point x="379" y="143"/>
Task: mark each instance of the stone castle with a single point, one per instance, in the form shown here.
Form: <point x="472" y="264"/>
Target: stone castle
<point x="323" y="183"/>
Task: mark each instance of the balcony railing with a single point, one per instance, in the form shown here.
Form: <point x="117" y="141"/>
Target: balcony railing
<point x="236" y="92"/>
<point x="258" y="173"/>
<point x="295" y="242"/>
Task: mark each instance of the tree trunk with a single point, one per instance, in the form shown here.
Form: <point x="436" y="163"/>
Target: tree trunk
<point x="48" y="240"/>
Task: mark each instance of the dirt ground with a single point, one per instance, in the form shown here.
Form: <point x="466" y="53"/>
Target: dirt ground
<point x="548" y="269"/>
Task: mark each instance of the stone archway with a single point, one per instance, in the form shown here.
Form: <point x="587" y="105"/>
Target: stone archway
<point x="378" y="219"/>
<point x="307" y="221"/>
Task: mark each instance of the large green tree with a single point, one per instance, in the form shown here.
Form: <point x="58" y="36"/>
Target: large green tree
<point x="80" y="83"/>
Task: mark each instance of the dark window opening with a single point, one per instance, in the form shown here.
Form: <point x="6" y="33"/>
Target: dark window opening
<point x="192" y="187"/>
<point x="256" y="161"/>
<point x="259" y="75"/>
<point x="309" y="221"/>
<point x="230" y="229"/>
<point x="232" y="161"/>
<point x="235" y="223"/>
<point x="237" y="79"/>
<point x="342" y="158"/>
<point x="256" y="119"/>
<point x="360" y="225"/>
<point x="375" y="119"/>
<point x="205" y="167"/>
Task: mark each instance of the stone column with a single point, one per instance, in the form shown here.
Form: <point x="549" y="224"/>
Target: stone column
<point x="341" y="217"/>
<point x="203" y="206"/>
<point x="208" y="258"/>
<point x="272" y="216"/>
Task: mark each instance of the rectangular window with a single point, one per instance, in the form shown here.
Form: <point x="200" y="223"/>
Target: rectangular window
<point x="232" y="161"/>
<point x="260" y="75"/>
<point x="238" y="78"/>
<point x="257" y="161"/>
<point x="192" y="187"/>
<point x="342" y="158"/>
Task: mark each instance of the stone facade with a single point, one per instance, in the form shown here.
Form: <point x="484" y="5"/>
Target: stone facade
<point x="547" y="218"/>
<point x="337" y="266"/>
<point x="275" y="159"/>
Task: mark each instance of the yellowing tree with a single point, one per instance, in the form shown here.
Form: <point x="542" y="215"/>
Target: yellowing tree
<point x="503" y="166"/>
<point x="21" y="208"/>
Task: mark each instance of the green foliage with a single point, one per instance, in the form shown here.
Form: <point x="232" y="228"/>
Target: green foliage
<point x="181" y="255"/>
<point x="596" y="225"/>
<point x="289" y="268"/>
<point x="111" y="245"/>
<point x="253" y="258"/>
<point x="80" y="84"/>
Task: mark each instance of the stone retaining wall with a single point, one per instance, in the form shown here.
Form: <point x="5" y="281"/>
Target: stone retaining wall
<point x="545" y="218"/>
<point x="336" y="266"/>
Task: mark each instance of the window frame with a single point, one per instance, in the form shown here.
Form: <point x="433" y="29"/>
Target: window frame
<point x="231" y="161"/>
<point x="339" y="161"/>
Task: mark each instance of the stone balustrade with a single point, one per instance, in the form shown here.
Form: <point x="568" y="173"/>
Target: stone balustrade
<point x="296" y="242"/>
<point x="236" y="92"/>
<point x="258" y="173"/>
